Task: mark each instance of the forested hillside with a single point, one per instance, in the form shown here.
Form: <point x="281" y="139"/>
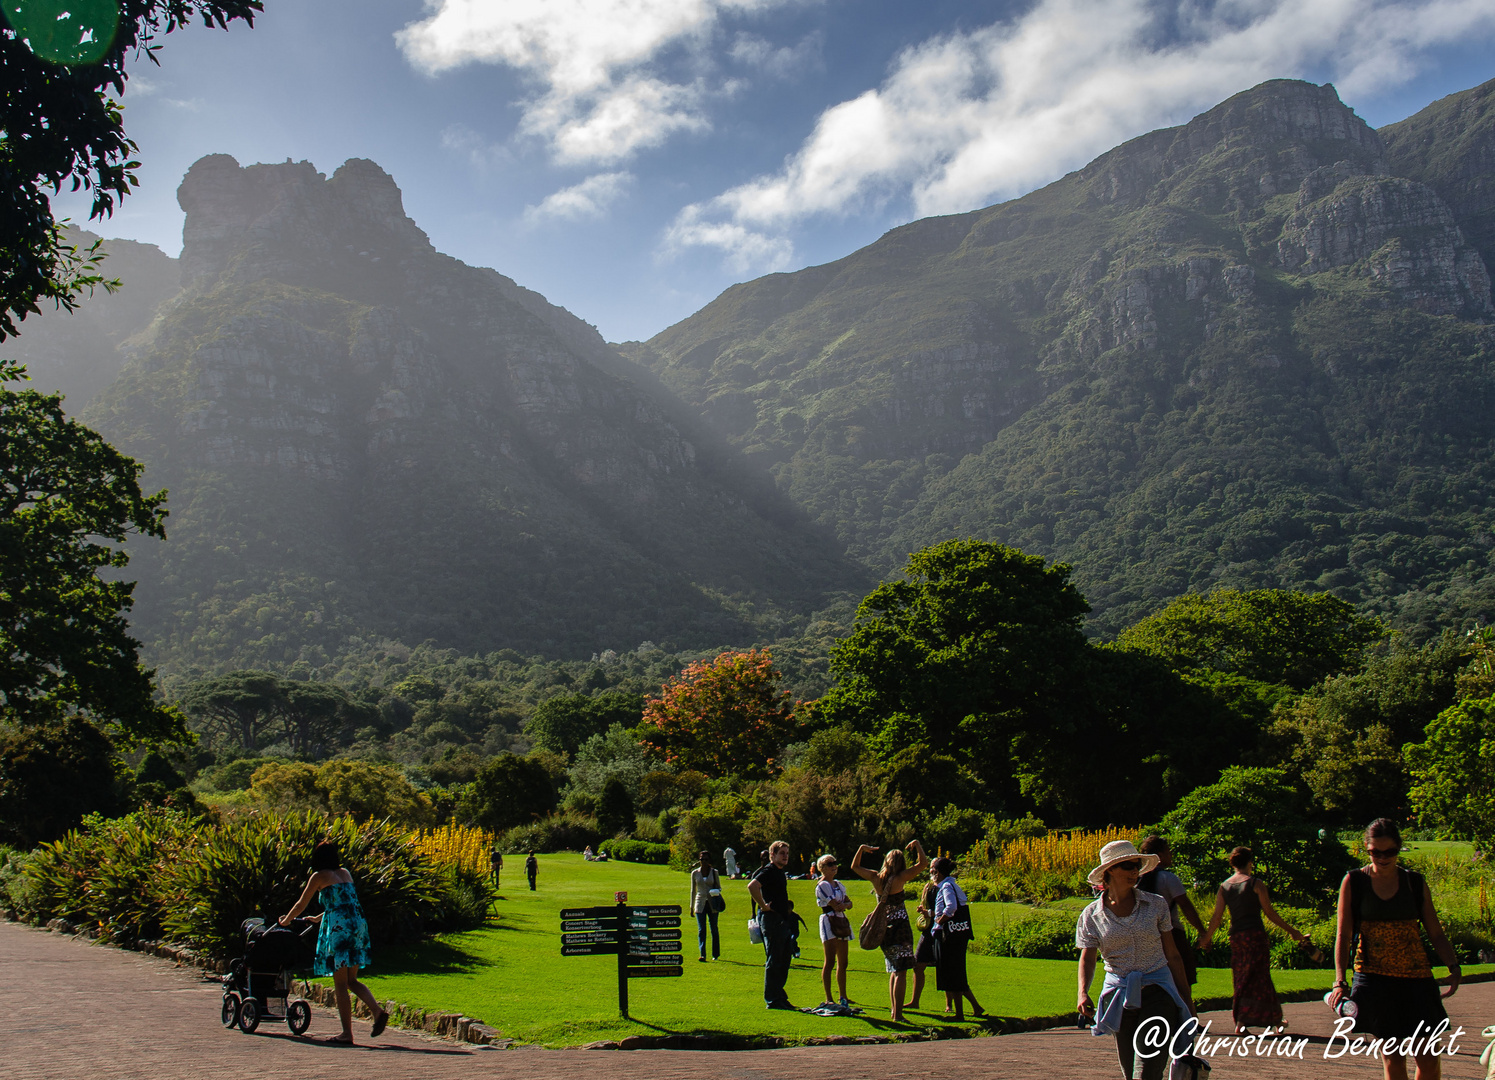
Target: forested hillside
<point x="1251" y="351"/>
<point x="365" y="439"/>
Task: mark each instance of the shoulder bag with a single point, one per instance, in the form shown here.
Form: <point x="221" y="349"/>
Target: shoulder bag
<point x="714" y="898"/>
<point x="874" y="926"/>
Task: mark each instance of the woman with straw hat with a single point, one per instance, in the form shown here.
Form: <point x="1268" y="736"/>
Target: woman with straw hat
<point x="1132" y="932"/>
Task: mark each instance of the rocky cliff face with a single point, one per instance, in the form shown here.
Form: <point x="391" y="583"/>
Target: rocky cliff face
<point x="363" y="436"/>
<point x="1052" y="371"/>
<point x="1450" y="146"/>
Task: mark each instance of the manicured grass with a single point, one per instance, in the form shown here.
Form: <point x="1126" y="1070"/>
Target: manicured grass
<point x="511" y="974"/>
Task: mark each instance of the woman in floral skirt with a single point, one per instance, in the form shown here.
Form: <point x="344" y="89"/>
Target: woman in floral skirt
<point x="898" y="941"/>
<point x="342" y="939"/>
<point x="1246" y="895"/>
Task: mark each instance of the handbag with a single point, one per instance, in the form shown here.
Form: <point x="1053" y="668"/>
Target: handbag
<point x="874" y="926"/>
<point x="755" y="931"/>
<point x="714" y="898"/>
<point x="958" y="926"/>
<point x="840" y="925"/>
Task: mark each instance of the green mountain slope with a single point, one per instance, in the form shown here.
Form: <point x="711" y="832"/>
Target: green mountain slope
<point x="364" y="438"/>
<point x="1241" y="351"/>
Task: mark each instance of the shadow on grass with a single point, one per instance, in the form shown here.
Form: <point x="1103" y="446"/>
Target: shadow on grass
<point x="429" y="957"/>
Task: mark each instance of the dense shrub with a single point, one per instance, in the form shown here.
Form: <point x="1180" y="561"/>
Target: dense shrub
<point x="509" y="791"/>
<point x="1256" y="808"/>
<point x="163" y="873"/>
<point x="568" y="830"/>
<point x="53" y="774"/>
<point x="615" y="816"/>
<point x="1041" y="935"/>
<point x="358" y="788"/>
<point x="636" y="851"/>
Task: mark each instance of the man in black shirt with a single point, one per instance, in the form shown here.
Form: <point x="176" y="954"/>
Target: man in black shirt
<point x="770" y="891"/>
<point x="531" y="868"/>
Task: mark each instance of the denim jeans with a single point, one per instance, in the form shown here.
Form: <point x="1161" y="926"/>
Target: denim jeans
<point x="716" y="940"/>
<point x="778" y="942"/>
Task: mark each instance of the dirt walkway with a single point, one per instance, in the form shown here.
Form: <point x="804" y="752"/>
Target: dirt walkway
<point x="70" y="1009"/>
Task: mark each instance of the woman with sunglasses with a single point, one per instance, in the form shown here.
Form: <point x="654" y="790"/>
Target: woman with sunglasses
<point x="1132" y="932"/>
<point x="1382" y="910"/>
<point x="1248" y="898"/>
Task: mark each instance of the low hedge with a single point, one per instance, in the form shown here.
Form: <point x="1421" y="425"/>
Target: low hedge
<point x="640" y="851"/>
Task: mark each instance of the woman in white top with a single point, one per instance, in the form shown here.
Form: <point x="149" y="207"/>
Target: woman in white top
<point x="706" y="886"/>
<point x="835" y="927"/>
<point x="1133" y="932"/>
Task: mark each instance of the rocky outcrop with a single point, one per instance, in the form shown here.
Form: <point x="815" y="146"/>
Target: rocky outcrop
<point x="426" y="447"/>
<point x="1400" y="232"/>
<point x="1231" y="159"/>
<point x="1450" y="146"/>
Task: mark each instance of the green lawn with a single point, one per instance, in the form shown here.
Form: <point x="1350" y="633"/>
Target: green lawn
<point x="511" y="974"/>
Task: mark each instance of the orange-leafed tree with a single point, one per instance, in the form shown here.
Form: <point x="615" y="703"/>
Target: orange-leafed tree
<point x="723" y="717"/>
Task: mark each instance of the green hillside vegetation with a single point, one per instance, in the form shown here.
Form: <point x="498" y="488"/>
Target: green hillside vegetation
<point x="365" y="440"/>
<point x="1236" y="353"/>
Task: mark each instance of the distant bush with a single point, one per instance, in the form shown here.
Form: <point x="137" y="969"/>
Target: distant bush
<point x="1041" y="935"/>
<point x="568" y="830"/>
<point x="358" y="788"/>
<point x="639" y="851"/>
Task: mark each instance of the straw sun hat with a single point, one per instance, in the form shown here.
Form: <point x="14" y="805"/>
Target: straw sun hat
<point x="1118" y="851"/>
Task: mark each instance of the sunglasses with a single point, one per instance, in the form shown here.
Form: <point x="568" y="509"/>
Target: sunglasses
<point x="1384" y="852"/>
<point x="1130" y="866"/>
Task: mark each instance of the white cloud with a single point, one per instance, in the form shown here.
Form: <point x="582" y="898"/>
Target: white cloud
<point x="588" y="199"/>
<point x="599" y="101"/>
<point x="968" y="118"/>
<point x="746" y="250"/>
<point x="782" y="63"/>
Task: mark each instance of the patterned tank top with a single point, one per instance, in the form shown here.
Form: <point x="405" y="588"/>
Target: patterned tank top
<point x="1390" y="940"/>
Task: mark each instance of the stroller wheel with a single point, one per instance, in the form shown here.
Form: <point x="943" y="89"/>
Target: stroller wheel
<point x="230" y="1010"/>
<point x="298" y="1017"/>
<point x="249" y="1016"/>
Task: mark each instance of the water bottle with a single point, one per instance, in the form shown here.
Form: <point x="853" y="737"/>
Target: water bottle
<point x="1346" y="1006"/>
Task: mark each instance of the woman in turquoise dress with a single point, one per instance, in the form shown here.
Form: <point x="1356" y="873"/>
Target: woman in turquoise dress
<point x="342" y="938"/>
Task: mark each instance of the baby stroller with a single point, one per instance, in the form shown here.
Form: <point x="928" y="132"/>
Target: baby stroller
<point x="262" y="976"/>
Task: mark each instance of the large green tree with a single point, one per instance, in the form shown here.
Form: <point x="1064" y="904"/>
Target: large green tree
<point x="68" y="500"/>
<point x="1453" y="773"/>
<point x="976" y="638"/>
<point x="1267" y="635"/>
<point x="62" y="67"/>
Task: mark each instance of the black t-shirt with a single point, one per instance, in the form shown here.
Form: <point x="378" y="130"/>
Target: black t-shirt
<point x="775" y="888"/>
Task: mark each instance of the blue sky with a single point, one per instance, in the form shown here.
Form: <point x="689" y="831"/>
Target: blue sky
<point x="630" y="159"/>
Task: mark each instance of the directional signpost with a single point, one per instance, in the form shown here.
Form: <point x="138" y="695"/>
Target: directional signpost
<point x="646" y="940"/>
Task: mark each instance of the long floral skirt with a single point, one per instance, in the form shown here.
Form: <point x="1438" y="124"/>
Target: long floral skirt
<point x="1255" y="1003"/>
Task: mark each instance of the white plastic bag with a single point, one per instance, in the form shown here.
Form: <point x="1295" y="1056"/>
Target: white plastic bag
<point x="755" y="931"/>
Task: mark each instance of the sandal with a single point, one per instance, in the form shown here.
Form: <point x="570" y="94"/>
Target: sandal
<point x="379" y="1024"/>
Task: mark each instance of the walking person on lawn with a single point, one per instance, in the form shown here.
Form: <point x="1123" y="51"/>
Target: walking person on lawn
<point x="835" y="927"/>
<point x="952" y="927"/>
<point x="496" y="862"/>
<point x="342" y="938"/>
<point x="1383" y="909"/>
<point x="898" y="941"/>
<point x="769" y="889"/>
<point x="531" y="869"/>
<point x="705" y="896"/>
<point x="1166" y="884"/>
<point x="1131" y="931"/>
<point x="1247" y="897"/>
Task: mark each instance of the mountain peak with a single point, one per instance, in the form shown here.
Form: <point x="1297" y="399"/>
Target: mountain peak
<point x="1260" y="143"/>
<point x="256" y="221"/>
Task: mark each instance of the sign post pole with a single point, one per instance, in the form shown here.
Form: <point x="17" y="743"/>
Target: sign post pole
<point x="622" y="955"/>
